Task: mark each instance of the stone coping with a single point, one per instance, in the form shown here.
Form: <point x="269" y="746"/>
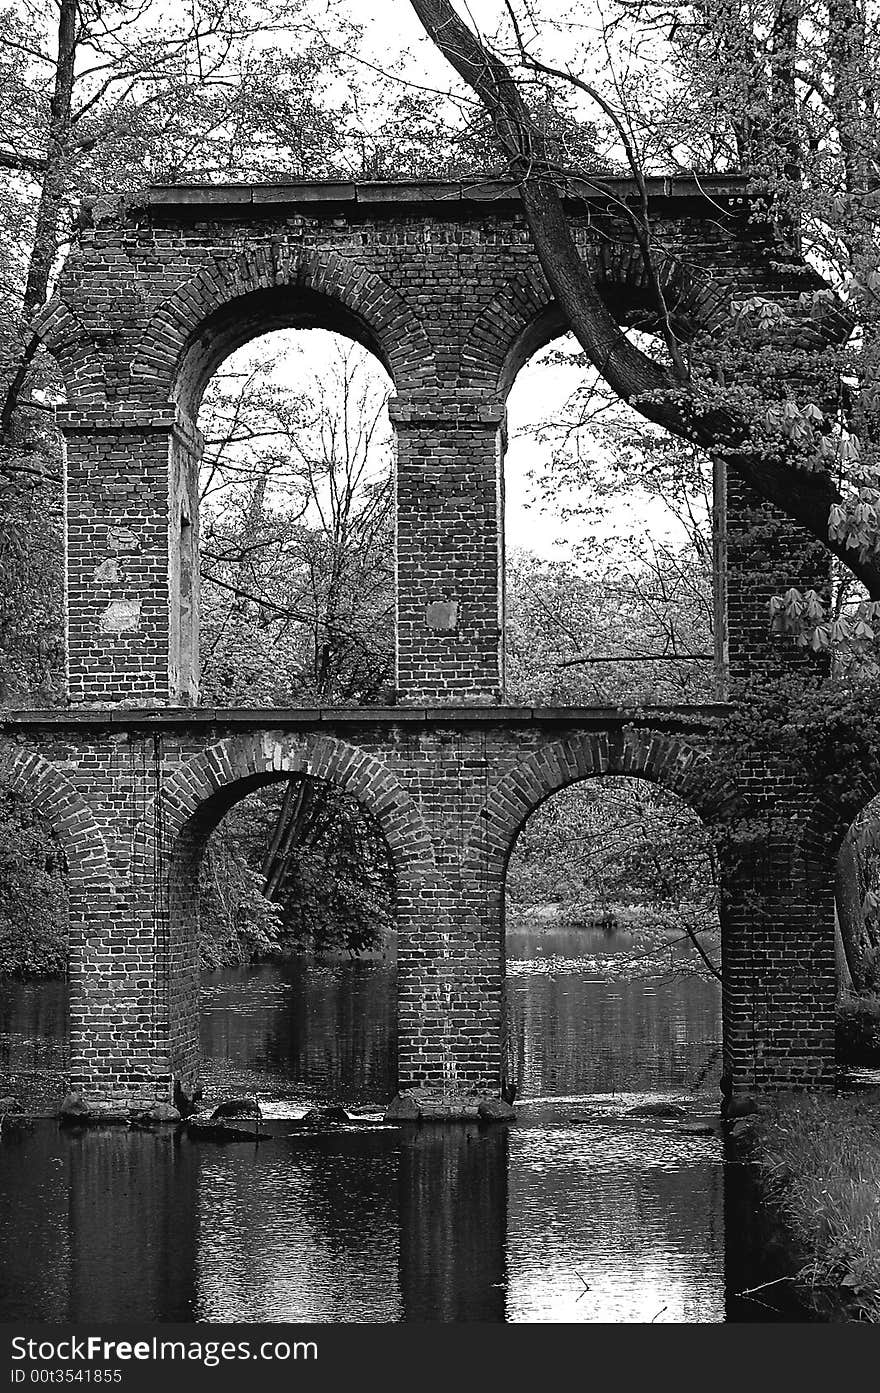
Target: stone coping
<point x="726" y="190"/>
<point x="275" y="718"/>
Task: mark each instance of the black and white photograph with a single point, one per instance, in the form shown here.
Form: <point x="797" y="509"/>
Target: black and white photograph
<point x="439" y="679"/>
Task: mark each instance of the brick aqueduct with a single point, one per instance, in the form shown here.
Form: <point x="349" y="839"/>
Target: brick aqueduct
<point x="441" y="282"/>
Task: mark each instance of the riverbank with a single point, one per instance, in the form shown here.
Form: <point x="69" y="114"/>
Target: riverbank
<point x="818" y="1160"/>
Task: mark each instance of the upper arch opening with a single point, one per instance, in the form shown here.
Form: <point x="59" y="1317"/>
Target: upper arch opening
<point x="251" y="316"/>
<point x="691" y="304"/>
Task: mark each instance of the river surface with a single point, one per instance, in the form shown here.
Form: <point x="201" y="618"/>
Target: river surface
<point x="578" y="1213"/>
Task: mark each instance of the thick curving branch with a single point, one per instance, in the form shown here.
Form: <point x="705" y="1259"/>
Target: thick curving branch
<point x="656" y="392"/>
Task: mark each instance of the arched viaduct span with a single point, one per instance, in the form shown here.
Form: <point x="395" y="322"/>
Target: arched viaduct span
<point x="439" y="281"/>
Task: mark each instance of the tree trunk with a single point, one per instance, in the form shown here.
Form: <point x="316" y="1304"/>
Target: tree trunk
<point x="46" y="235"/>
<point x="844" y="976"/>
<point x="659" y="395"/>
<point x="850" y="916"/>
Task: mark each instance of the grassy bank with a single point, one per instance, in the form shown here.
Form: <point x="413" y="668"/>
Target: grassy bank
<point x="819" y="1161"/>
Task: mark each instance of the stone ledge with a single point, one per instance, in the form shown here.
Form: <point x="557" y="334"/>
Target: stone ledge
<point x="679" y="718"/>
<point x="424" y="1105"/>
<point x="730" y="191"/>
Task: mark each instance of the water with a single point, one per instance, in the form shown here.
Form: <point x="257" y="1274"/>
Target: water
<point x="579" y="1213"/>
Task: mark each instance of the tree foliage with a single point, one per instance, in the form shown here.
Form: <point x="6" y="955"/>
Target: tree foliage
<point x="336" y="890"/>
<point x="765" y="391"/>
<point x="33" y="894"/>
<point x="296" y="546"/>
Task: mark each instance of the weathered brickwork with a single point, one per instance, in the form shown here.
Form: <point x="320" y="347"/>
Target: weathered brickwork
<point x="450" y="790"/>
<point x="779" y="962"/>
<point x="441" y="282"/>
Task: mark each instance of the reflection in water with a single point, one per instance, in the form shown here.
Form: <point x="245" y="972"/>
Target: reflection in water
<point x="300" y="1230"/>
<point x="577" y="1032"/>
<point x="453" y="1208"/>
<point x="302" y="1029"/>
<point x="33" y="1040"/>
<point x="578" y="1214"/>
<point x="615" y="1223"/>
<point x="97" y="1226"/>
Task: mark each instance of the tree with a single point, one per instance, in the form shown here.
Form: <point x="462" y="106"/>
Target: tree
<point x="100" y="97"/>
<point x="33" y="894"/>
<point x="297" y="569"/>
<point x="297" y="527"/>
<point x="599" y="463"/>
<point x="785" y="397"/>
<point x="617" y="625"/>
<point x="620" y="849"/>
<point x="795" y="452"/>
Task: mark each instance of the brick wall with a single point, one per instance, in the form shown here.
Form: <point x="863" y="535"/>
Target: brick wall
<point x="450" y="790"/>
<point x="779" y="968"/>
<point x="441" y="282"/>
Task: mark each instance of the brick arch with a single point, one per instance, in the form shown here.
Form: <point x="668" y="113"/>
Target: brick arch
<point x="523" y="316"/>
<point x="373" y="311"/>
<point x="697" y="301"/>
<point x="73" y="344"/>
<point x="54" y="797"/>
<point x="191" y="803"/>
<point x="827" y="822"/>
<point x="241" y="762"/>
<point x="665" y="760"/>
<point x="520" y="319"/>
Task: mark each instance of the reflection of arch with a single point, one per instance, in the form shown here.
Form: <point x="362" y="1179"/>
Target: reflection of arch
<point x="269" y="287"/>
<point x="194" y="799"/>
<point x="665" y="760"/>
<point x="53" y="796"/>
<point x="523" y="317"/>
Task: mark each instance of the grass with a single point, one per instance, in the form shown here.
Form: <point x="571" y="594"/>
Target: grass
<point x="819" y="1158"/>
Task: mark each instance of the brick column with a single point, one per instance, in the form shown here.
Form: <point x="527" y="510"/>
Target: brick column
<point x="779" y="974"/>
<point x="450" y="935"/>
<point x="779" y="971"/>
<point x="132" y="559"/>
<point x="119" y="1028"/>
<point x="449" y="545"/>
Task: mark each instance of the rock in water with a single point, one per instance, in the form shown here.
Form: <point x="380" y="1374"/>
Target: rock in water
<point x="159" y="1112"/>
<point x="495" y="1110"/>
<point x="403" y="1108"/>
<point x="73" y="1107"/>
<point x="238" y="1107"/>
<point x="206" y="1129"/>
<point x="657" y="1110"/>
<point x="323" y="1117"/>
